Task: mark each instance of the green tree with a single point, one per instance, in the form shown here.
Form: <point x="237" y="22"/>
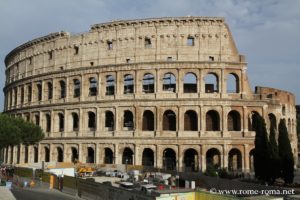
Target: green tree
<point x="285" y="153"/>
<point x="261" y="151"/>
<point x="274" y="160"/>
<point x="10" y="134"/>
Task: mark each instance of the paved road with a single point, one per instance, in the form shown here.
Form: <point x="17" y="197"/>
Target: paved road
<point x="44" y="194"/>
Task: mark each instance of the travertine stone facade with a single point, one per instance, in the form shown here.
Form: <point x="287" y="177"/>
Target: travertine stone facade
<point x="171" y="93"/>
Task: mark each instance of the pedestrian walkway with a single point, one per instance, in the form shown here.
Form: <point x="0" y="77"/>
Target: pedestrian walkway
<point x="5" y="194"/>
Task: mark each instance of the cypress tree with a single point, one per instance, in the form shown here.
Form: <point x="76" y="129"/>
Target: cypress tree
<point x="261" y="151"/>
<point x="285" y="153"/>
<point x="274" y="160"/>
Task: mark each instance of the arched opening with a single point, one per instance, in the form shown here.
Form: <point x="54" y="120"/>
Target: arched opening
<point x="109" y="121"/>
<point x="148" y="83"/>
<point x="76" y="88"/>
<point x="190" y="121"/>
<point x="74" y="157"/>
<point x="35" y="154"/>
<point x="50" y="90"/>
<point x="272" y="120"/>
<point x="128" y="120"/>
<point x="18" y="154"/>
<point x="211" y="83"/>
<point x="47" y="154"/>
<point x="128" y="84"/>
<point x="190" y="83"/>
<point x="39" y="92"/>
<point x="234" y="160"/>
<point x="212" y="121"/>
<point x="169" y="159"/>
<point x="289" y="127"/>
<point x="48" y="123"/>
<point x="148" y="121"/>
<point x="127" y="157"/>
<point x="108" y="156"/>
<point x="148" y="157"/>
<point x="251" y="160"/>
<point x="213" y="158"/>
<point x="26" y="154"/>
<point x="91" y="121"/>
<point x="169" y="82"/>
<point x="90" y="155"/>
<point x="232" y="83"/>
<point x="62" y="89"/>
<point x="191" y="160"/>
<point x="169" y="121"/>
<point x="60" y="155"/>
<point x="234" y="121"/>
<point x="29" y="94"/>
<point x="93" y="89"/>
<point x="22" y="95"/>
<point x="37" y="119"/>
<point x="75" y="121"/>
<point x="252" y="118"/>
<point x="61" y="121"/>
<point x="110" y="85"/>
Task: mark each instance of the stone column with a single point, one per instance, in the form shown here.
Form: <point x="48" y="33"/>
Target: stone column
<point x="225" y="156"/>
<point x="203" y="158"/>
<point x="244" y="123"/>
<point x="246" y="157"/>
<point x="180" y="164"/>
<point x="97" y="153"/>
<point x="136" y="155"/>
<point x="80" y="153"/>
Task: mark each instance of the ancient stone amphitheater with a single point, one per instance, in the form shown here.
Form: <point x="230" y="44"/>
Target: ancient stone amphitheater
<point x="171" y="93"/>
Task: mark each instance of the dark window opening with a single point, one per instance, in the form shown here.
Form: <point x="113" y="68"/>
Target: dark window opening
<point x="169" y="121"/>
<point x="74" y="157"/>
<point x="75" y="121"/>
<point x="272" y="120"/>
<point x="148" y="121"/>
<point x="128" y="120"/>
<point x="211" y="58"/>
<point x="234" y="160"/>
<point x="29" y="93"/>
<point x="60" y="154"/>
<point x="190" y="41"/>
<point x="148" y="43"/>
<point x="62" y="89"/>
<point x="39" y="91"/>
<point x="128" y="84"/>
<point x="127" y="157"/>
<point x="109" y="120"/>
<point x="93" y="87"/>
<point x="48" y="123"/>
<point x="190" y="121"/>
<point x="50" y="90"/>
<point x="169" y="58"/>
<point x="16" y="95"/>
<point x="234" y="121"/>
<point x="76" y="50"/>
<point x="128" y="60"/>
<point x="283" y="110"/>
<point x="92" y="63"/>
<point x="169" y="82"/>
<point x="26" y="154"/>
<point x="190" y="83"/>
<point x="109" y="45"/>
<point x="213" y="158"/>
<point x="212" y="121"/>
<point x="232" y="83"/>
<point x="91" y="120"/>
<point x="47" y="154"/>
<point x="22" y="95"/>
<point x="148" y="83"/>
<point x="169" y="159"/>
<point x="37" y="120"/>
<point x="191" y="160"/>
<point x="76" y="88"/>
<point x="109" y="156"/>
<point x="30" y="60"/>
<point x="35" y="154"/>
<point x="91" y="155"/>
<point x="110" y="85"/>
<point x="61" y="120"/>
<point x="148" y="157"/>
<point x="50" y="55"/>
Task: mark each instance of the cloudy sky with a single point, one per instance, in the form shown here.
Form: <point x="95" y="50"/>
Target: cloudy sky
<point x="266" y="31"/>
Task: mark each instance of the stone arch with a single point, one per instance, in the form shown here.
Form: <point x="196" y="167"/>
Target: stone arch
<point x="213" y="158"/>
<point x="75" y="120"/>
<point x="234" y="160"/>
<point x="60" y="154"/>
<point x="110" y="85"/>
<point x="128" y="122"/>
<point x="272" y="120"/>
<point x="127" y="156"/>
<point x="251" y="124"/>
<point x="169" y="159"/>
<point x="190" y="120"/>
<point x="148" y="121"/>
<point x="190" y="83"/>
<point x="233" y="83"/>
<point x="26" y="152"/>
<point x="39" y="91"/>
<point x="191" y="159"/>
<point x="47" y="154"/>
<point x="108" y="156"/>
<point x="148" y="83"/>
<point x="74" y="154"/>
<point x="128" y="84"/>
<point x="148" y="157"/>
<point x="48" y="122"/>
<point x="212" y="121"/>
<point x="35" y="154"/>
<point x="211" y="83"/>
<point x="169" y="82"/>
<point x="62" y="91"/>
<point x="90" y="155"/>
<point x="91" y="120"/>
<point x="49" y="90"/>
<point x="169" y="121"/>
<point x="234" y="121"/>
<point x="109" y="120"/>
<point x="76" y="88"/>
<point x="61" y="122"/>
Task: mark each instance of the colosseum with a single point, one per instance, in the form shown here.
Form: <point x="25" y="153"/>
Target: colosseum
<point x="171" y="93"/>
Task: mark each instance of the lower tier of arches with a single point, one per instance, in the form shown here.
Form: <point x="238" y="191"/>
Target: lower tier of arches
<point x="185" y="155"/>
